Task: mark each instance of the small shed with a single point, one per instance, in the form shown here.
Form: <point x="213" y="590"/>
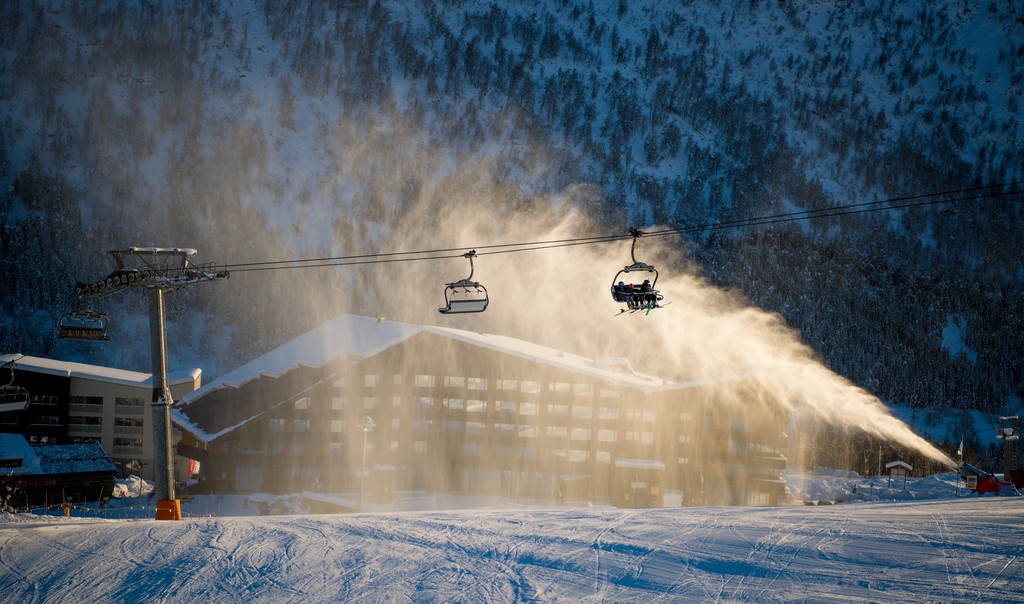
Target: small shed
<point x="898" y="470"/>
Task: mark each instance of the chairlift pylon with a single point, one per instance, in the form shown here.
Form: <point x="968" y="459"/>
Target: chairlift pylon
<point x="83" y="324"/>
<point x="12" y="397"/>
<point x="465" y="295"/>
<point x="636" y="297"/>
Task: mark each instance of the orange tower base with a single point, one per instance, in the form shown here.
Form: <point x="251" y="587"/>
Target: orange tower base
<point x="168" y="509"/>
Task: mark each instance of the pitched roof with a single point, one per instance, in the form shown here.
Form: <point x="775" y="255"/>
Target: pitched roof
<point x="97" y="373"/>
<point x="52" y="459"/>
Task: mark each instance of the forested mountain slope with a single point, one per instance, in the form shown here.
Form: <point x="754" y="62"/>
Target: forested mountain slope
<point x="269" y="129"/>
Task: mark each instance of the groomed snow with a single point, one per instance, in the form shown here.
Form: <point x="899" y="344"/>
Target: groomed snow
<point x="880" y="549"/>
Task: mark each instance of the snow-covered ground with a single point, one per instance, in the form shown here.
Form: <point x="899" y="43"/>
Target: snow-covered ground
<point x="931" y="546"/>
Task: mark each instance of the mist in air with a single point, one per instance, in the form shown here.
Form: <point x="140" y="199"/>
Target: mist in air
<point x="561" y="298"/>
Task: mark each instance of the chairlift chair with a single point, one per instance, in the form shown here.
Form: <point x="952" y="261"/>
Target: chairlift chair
<point x="465" y="295"/>
<point x="12" y="397"/>
<point x="83" y="324"/>
<point x="643" y="296"/>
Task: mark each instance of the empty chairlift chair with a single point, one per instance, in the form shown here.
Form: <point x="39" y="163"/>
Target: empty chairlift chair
<point x="83" y="324"/>
<point x="12" y="396"/>
<point x="464" y="295"/>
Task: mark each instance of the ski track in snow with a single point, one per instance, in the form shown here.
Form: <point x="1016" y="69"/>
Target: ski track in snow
<point x="946" y="550"/>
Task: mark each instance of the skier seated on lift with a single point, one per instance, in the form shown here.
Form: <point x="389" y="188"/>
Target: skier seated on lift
<point x="623" y="293"/>
<point x="647" y="297"/>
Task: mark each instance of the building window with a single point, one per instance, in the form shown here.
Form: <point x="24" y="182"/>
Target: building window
<point x="505" y="406"/>
<point x="474" y="427"/>
<point x="338" y="403"/>
<point x="277" y="448"/>
<point x="527" y="453"/>
<point x="424" y="402"/>
<point x="502" y="450"/>
<point x="419" y="446"/>
<point x="396" y="402"/>
<point x="607" y="436"/>
<point x="422" y="425"/>
<point x="684" y="438"/>
<point x="397" y="379"/>
<point x="298" y="448"/>
<point x="682" y="460"/>
<point x="472" y="450"/>
<point x="476" y="383"/>
<point x="129" y="402"/>
<point x="582" y="411"/>
<point x="528" y="431"/>
<point x="559" y="387"/>
<point x="454" y="403"/>
<point x="424" y="381"/>
<point x="557" y="431"/>
<point x="577" y="456"/>
<point x="580" y="434"/>
<point x="608" y="413"/>
<point x="85" y="400"/>
<point x="647" y="438"/>
<point x="608" y="393"/>
<point x="300" y="425"/>
<point x="529" y="408"/>
<point x="451" y="426"/>
<point x="90" y="420"/>
<point x="134" y="443"/>
<point x="504" y="428"/>
<point x="370" y="380"/>
<point x="604" y="456"/>
<point x="529" y="386"/>
<point x="394" y="445"/>
<point x="277" y="425"/>
<point x="45" y="420"/>
<point x="508" y="384"/>
<point x="476" y="406"/>
<point x="583" y="390"/>
<point x="369" y="402"/>
<point x="334" y="448"/>
<point x="454" y="381"/>
<point x="48" y="399"/>
<point x="8" y="419"/>
<point x="558" y="409"/>
<point x="129" y="422"/>
<point x="337" y="425"/>
<point x="686" y="417"/>
<point x="302" y="403"/>
<point x="396" y="423"/>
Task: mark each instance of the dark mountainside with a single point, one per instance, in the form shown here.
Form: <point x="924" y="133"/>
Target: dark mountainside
<point x="269" y="129"/>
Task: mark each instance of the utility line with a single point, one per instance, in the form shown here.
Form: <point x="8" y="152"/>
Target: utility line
<point x="897" y="203"/>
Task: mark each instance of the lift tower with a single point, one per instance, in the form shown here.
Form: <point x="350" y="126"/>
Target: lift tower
<point x="157" y="270"/>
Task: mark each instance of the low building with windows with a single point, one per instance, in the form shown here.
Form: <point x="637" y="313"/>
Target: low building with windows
<point x="41" y="474"/>
<point x="74" y="403"/>
<point x="383" y="405"/>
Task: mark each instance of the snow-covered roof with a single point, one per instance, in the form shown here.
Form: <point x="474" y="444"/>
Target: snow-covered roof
<point x="361" y="337"/>
<point x="345" y="335"/>
<point x="96" y="372"/>
<point x="52" y="459"/>
<point x="898" y="464"/>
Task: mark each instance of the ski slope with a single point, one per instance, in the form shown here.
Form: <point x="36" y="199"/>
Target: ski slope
<point x="945" y="550"/>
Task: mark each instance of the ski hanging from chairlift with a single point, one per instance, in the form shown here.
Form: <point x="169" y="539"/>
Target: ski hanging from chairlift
<point x="464" y="295"/>
<point x="636" y="296"/>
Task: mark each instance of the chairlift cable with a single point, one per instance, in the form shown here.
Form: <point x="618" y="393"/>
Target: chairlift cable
<point x="896" y="203"/>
